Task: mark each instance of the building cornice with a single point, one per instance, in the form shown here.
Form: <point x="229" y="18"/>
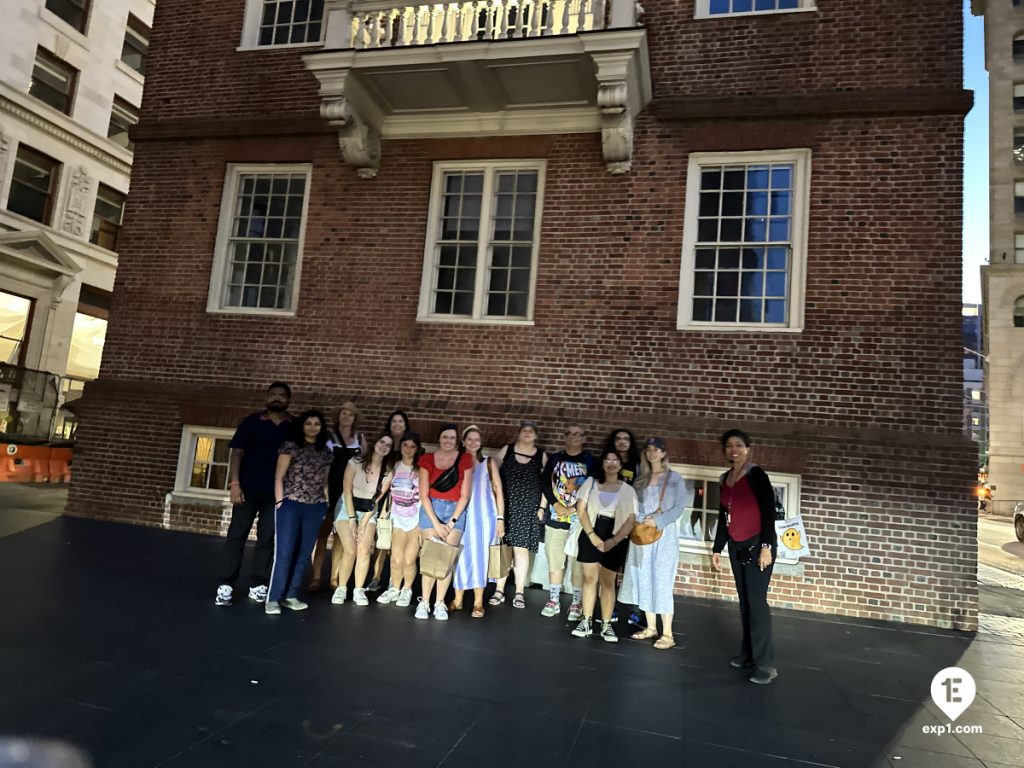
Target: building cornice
<point x="19" y="106"/>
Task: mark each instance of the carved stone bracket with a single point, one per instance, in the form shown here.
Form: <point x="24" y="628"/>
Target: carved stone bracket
<point x="360" y="144"/>
<point x="621" y="94"/>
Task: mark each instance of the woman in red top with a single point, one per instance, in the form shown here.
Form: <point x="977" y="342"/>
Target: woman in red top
<point x="747" y="524"/>
<point x="446" y="479"/>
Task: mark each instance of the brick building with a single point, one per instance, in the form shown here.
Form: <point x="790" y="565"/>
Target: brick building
<point x="719" y="213"/>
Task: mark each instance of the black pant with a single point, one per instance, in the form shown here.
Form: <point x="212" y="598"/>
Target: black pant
<point x="752" y="588"/>
<point x="257" y="507"/>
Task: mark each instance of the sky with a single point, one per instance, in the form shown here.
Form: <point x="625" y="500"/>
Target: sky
<point x="975" y="157"/>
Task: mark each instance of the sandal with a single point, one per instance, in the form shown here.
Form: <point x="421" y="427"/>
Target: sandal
<point x="644" y="634"/>
<point x="453" y="606"/>
<point x="665" y="642"/>
<point x="478" y="612"/>
<point x="497" y="598"/>
<point x="519" y="601"/>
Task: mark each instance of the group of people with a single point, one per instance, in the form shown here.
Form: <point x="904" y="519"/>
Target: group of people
<point x="603" y="518"/>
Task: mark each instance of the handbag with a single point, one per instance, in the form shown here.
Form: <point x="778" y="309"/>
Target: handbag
<point x="499" y="560"/>
<point x="449" y="478"/>
<point x="437" y="558"/>
<point x="642" y="535"/>
<point x="384" y="528"/>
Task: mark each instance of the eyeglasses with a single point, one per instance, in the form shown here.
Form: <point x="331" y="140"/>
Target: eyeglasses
<point x="574" y="434"/>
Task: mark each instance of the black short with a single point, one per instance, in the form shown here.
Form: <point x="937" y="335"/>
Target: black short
<point x="613" y="560"/>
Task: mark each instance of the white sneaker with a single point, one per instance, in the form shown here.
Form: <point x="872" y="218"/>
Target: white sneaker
<point x="551" y="608"/>
<point x="224" y="595"/>
<point x="359" y="596"/>
<point x="294" y="604"/>
<point x="608" y="633"/>
<point x="440" y="612"/>
<point x="259" y="594"/>
<point x="273" y="608"/>
<point x="388" y="596"/>
<point x="338" y="598"/>
<point x="584" y="629"/>
<point x="422" y="610"/>
<point x="404" y="598"/>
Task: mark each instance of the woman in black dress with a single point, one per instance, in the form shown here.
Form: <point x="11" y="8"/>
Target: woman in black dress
<point x="520" y="465"/>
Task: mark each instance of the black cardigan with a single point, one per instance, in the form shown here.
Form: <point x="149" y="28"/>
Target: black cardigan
<point x="761" y="485"/>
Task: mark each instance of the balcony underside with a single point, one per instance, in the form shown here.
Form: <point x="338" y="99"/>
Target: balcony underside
<point x="583" y="83"/>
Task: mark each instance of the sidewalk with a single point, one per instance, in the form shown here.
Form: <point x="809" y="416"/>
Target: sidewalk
<point x="110" y="640"/>
<point x="24" y="505"/>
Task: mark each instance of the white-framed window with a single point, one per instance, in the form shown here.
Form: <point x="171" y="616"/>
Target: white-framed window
<point x="258" y="256"/>
<point x="483" y="233"/>
<point x="203" y="461"/>
<point x="699" y="522"/>
<point x="745" y="241"/>
<point x="712" y="9"/>
<point x="276" y="23"/>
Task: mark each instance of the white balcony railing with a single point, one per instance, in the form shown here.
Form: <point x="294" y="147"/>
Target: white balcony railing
<point x="476" y="21"/>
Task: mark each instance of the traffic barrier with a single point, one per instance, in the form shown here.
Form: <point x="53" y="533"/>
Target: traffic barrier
<point x="24" y="463"/>
<point x="60" y="465"/>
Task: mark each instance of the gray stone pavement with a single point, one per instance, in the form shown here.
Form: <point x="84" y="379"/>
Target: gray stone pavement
<point x="111" y="642"/>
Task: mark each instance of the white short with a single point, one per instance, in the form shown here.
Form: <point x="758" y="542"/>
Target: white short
<point x="410" y="523"/>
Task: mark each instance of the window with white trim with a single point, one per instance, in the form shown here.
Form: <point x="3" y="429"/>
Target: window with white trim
<point x="700" y="520"/>
<point x="715" y="8"/>
<point x="283" y="22"/>
<point x="204" y="461"/>
<point x="259" y="242"/>
<point x="480" y="263"/>
<point x="744" y="241"/>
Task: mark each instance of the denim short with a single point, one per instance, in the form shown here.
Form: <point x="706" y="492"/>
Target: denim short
<point x="363" y="508"/>
<point x="443" y="510"/>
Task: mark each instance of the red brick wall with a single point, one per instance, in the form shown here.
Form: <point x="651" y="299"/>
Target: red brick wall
<point x="865" y="403"/>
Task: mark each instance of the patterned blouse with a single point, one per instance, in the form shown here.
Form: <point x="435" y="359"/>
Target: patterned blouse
<point x="307" y="474"/>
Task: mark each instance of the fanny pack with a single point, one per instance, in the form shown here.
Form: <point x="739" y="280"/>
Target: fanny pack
<point x="449" y="478"/>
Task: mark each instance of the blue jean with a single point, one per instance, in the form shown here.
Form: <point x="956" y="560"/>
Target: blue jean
<point x="443" y="511"/>
<point x="297" y="527"/>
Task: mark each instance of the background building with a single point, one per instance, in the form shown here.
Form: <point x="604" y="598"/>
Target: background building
<point x="975" y="405"/>
<point x="71" y="78"/>
<point x="726" y="212"/>
<point x="1002" y="280"/>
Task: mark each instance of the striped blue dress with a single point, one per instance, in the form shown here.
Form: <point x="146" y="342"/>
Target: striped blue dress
<point x="471" y="569"/>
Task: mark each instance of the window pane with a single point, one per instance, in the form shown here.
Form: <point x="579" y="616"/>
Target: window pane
<point x="755" y="208"/>
<point x="291" y="22"/>
<point x="263" y="249"/>
<point x="53" y="81"/>
<point x="14" y="317"/>
<point x="106" y="218"/>
<point x="71" y="11"/>
<point x="122" y="117"/>
<point x="87" y="337"/>
<point x="135" y="48"/>
<point x="32" y="185"/>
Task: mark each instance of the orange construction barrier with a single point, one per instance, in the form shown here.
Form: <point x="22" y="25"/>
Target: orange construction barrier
<point x="60" y="465"/>
<point x="24" y="463"/>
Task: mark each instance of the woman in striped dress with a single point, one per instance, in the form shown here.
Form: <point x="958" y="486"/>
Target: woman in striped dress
<point x="485" y="522"/>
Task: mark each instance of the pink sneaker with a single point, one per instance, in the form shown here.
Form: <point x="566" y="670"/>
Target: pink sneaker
<point x="575" y="612"/>
<point x="551" y="608"/>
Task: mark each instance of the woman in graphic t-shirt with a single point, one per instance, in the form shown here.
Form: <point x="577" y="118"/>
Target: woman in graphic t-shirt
<point x="405" y="520"/>
<point x="747" y="523"/>
<point x="441" y="511"/>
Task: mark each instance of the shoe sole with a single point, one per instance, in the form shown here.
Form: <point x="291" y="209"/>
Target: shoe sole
<point x="222" y="603"/>
<point x="421" y="618"/>
<point x="610" y="640"/>
<point x="549" y="615"/>
<point x="293" y="608"/>
<point x="764" y="682"/>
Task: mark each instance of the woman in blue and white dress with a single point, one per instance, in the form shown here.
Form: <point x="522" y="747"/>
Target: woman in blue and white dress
<point x="485" y="523"/>
<point x="650" y="570"/>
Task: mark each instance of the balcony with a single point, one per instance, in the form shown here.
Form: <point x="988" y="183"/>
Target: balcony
<point x="482" y="68"/>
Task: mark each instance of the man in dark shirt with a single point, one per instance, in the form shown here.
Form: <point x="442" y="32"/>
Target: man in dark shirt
<point x="253" y="463"/>
<point x="563" y="476"/>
